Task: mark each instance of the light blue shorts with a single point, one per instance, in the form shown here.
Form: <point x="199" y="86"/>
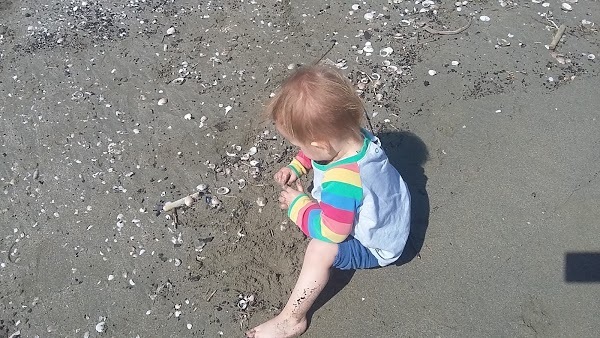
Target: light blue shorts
<point x="353" y="255"/>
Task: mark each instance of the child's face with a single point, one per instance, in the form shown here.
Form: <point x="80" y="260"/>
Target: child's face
<point x="316" y="151"/>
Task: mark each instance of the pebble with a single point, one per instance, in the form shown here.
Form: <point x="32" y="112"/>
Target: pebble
<point x="432" y="72"/>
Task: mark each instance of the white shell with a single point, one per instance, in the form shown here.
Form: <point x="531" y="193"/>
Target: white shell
<point x="484" y="18"/>
<point x="254" y="163"/>
<point x="432" y="72"/>
<point x="201" y="187"/>
<point x="252" y="151"/>
<point x="261" y="201"/>
<point x="188" y="201"/>
<point x="187" y="116"/>
<point x="368" y="48"/>
<point x="566" y="6"/>
<point x="241" y="183"/>
<point x="214" y="202"/>
<point x="223" y="191"/>
<point x="178" y="80"/>
<point x="355" y="7"/>
<point x="591" y="56"/>
<point x="100" y="327"/>
<point x="454" y="63"/>
<point x="162" y="101"/>
<point x="369" y="16"/>
<point x="171" y="31"/>
<point x="378" y="97"/>
<point x="384" y="52"/>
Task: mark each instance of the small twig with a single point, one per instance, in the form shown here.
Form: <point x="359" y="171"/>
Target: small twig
<point x="557" y="36"/>
<point x="327" y="52"/>
<point x="211" y="295"/>
<point x="452" y="32"/>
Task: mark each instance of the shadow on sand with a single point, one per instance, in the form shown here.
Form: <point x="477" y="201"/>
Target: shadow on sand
<point x="407" y="153"/>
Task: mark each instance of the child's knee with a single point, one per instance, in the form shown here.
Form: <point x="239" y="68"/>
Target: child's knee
<point x="319" y="252"/>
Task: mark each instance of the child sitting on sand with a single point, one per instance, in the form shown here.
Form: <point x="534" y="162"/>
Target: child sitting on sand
<point x="359" y="213"/>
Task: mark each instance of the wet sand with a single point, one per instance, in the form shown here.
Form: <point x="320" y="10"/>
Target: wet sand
<point x="499" y="147"/>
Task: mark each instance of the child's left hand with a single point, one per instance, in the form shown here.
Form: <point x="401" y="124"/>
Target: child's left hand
<point x="289" y="194"/>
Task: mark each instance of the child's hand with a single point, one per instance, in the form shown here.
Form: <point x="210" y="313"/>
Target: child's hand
<point x="285" y="176"/>
<point x="289" y="194"/>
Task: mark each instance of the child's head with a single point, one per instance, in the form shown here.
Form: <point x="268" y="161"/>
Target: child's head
<point x="316" y="104"/>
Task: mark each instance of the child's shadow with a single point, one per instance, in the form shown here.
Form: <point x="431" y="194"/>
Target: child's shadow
<point x="407" y="153"/>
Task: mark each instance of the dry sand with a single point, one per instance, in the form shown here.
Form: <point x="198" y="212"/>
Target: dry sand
<point x="501" y="152"/>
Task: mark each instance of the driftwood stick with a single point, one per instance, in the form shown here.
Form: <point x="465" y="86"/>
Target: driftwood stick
<point x="557" y="36"/>
<point x="188" y="200"/>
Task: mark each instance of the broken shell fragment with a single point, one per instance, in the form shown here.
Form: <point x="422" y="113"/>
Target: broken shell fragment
<point x="100" y="327"/>
<point x="179" y="80"/>
<point x="223" y="191"/>
<point x="368" y="48"/>
<point x="162" y="101"/>
<point x="201" y="187"/>
<point x="565" y="6"/>
<point x="484" y="18"/>
<point x="188" y="201"/>
<point x="241" y="183"/>
<point x="214" y="202"/>
<point x="171" y="31"/>
<point x="384" y="52"/>
<point x="252" y="151"/>
<point x="432" y="72"/>
<point x="261" y="201"/>
<point x="187" y="116"/>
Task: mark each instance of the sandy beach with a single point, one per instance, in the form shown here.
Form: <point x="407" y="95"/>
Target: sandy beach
<point x="109" y="110"/>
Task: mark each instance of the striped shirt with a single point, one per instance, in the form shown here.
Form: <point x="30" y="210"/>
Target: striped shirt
<point x="362" y="195"/>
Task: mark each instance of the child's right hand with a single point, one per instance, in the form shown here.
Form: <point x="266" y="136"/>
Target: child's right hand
<point x="285" y="176"/>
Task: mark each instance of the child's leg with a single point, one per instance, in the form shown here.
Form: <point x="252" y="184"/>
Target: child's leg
<point x="291" y="322"/>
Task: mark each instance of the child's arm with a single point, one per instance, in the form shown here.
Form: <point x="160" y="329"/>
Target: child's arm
<point x="332" y="219"/>
<point x="300" y="165"/>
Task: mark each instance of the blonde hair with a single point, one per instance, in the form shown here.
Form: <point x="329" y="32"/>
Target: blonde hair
<point x="316" y="103"/>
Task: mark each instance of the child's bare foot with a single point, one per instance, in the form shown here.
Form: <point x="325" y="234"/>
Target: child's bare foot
<point x="279" y="327"/>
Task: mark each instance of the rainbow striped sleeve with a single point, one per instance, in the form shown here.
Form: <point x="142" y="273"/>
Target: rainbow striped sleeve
<point x="300" y="164"/>
<point x="332" y="219"/>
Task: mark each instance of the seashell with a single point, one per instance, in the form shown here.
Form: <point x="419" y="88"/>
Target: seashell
<point x="177" y="261"/>
<point x="291" y="66"/>
<point x="427" y="3"/>
<point x="162" y="101"/>
<point x="254" y="163"/>
<point x="188" y="201"/>
<point x="214" y="202"/>
<point x="484" y="18"/>
<point x="454" y="63"/>
<point x="385" y="52"/>
<point x="201" y="187"/>
<point x="565" y="6"/>
<point x="223" y="191"/>
<point x="432" y="72"/>
<point x="369" y="16"/>
<point x="364" y="80"/>
<point x="261" y="201"/>
<point x="227" y="109"/>
<point x="379" y="97"/>
<point x="361" y="86"/>
<point x="386" y="63"/>
<point x="245" y="157"/>
<point x="241" y="183"/>
<point x="355" y="7"/>
<point x="100" y="327"/>
<point x="171" y="31"/>
<point x="252" y="151"/>
<point x="242" y="304"/>
<point x="376" y="76"/>
<point x="368" y="48"/>
<point x="187" y="116"/>
<point x="179" y="80"/>
<point x="392" y="68"/>
<point x="591" y="56"/>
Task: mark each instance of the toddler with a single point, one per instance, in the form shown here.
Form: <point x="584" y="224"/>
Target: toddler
<point x="359" y="214"/>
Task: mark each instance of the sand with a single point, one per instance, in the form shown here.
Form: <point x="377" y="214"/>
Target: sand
<point x="500" y="151"/>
